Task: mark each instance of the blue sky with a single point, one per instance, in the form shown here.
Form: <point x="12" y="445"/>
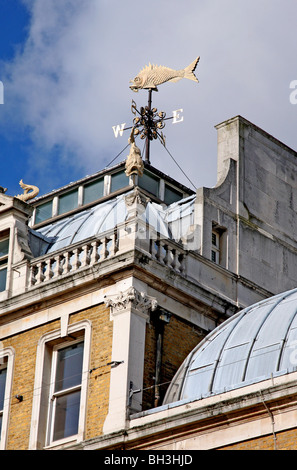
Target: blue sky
<point x="14" y="20"/>
<point x="66" y="65"/>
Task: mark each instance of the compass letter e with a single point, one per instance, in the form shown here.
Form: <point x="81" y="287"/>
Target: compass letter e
<point x="1" y="93"/>
<point x="177" y="117"/>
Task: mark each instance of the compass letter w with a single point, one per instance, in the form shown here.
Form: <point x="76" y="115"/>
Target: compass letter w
<point x="119" y="129"/>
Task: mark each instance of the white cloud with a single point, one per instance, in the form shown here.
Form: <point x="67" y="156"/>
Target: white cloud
<point x="69" y="84"/>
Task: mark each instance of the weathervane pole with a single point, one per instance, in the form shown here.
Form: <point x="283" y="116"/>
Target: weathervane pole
<point x="148" y="137"/>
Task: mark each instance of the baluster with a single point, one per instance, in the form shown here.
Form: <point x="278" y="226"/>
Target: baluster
<point x="40" y="275"/>
<point x="113" y="245"/>
<point x="164" y="256"/>
<point x="153" y="248"/>
<point x="105" y="251"/>
<point x="62" y="263"/>
<point x="158" y="250"/>
<point x="68" y="265"/>
<point x="77" y="262"/>
<point x="58" y="268"/>
<point x="94" y="251"/>
<point x="181" y="260"/>
<point x="85" y="259"/>
<point x="33" y="273"/>
<point x="172" y="257"/>
<point x="49" y="272"/>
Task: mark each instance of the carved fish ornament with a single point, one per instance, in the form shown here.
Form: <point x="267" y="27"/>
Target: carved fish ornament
<point x="153" y="75"/>
<point x="30" y="192"/>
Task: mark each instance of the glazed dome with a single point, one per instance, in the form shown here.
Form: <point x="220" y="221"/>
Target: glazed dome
<point x="255" y="344"/>
<point x="172" y="222"/>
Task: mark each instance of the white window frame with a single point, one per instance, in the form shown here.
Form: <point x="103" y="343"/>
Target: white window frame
<point x="40" y="432"/>
<point x="53" y="396"/>
<point x="7" y="354"/>
<point x="2" y="258"/>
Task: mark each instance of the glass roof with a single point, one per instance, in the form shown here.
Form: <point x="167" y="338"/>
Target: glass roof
<point x="255" y="344"/>
<point x="171" y="222"/>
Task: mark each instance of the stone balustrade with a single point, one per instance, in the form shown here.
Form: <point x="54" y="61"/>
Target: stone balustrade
<point x="169" y="254"/>
<point x="76" y="257"/>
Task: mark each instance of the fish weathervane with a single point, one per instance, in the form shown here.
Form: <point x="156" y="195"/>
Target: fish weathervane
<point x="149" y="121"/>
<point x="153" y="75"/>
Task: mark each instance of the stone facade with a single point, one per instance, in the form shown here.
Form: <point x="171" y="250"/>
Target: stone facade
<point x="253" y="206"/>
<point x="140" y="301"/>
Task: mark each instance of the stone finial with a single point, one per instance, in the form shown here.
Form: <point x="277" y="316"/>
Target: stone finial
<point x="134" y="162"/>
<point x="30" y="192"/>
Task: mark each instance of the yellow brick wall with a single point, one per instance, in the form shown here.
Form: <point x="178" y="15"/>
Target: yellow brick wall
<point x="286" y="440"/>
<point x="25" y="346"/>
<point x="180" y="337"/>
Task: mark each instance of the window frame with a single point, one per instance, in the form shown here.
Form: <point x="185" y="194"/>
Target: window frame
<point x="119" y="187"/>
<point x="171" y="190"/>
<point x="219" y="250"/>
<point x="41" y="423"/>
<point x="72" y="196"/>
<point x="5" y="257"/>
<point x="55" y="395"/>
<point x="42" y="219"/>
<point x="145" y="181"/>
<point x="3" y="366"/>
<point x="215" y="247"/>
<point x="87" y="191"/>
<point x="8" y="355"/>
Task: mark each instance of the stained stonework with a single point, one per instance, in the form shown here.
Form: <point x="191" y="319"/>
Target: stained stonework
<point x="131" y="298"/>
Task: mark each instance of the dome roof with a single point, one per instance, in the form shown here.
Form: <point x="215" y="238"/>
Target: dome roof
<point x="171" y="222"/>
<point x="255" y="344"/>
